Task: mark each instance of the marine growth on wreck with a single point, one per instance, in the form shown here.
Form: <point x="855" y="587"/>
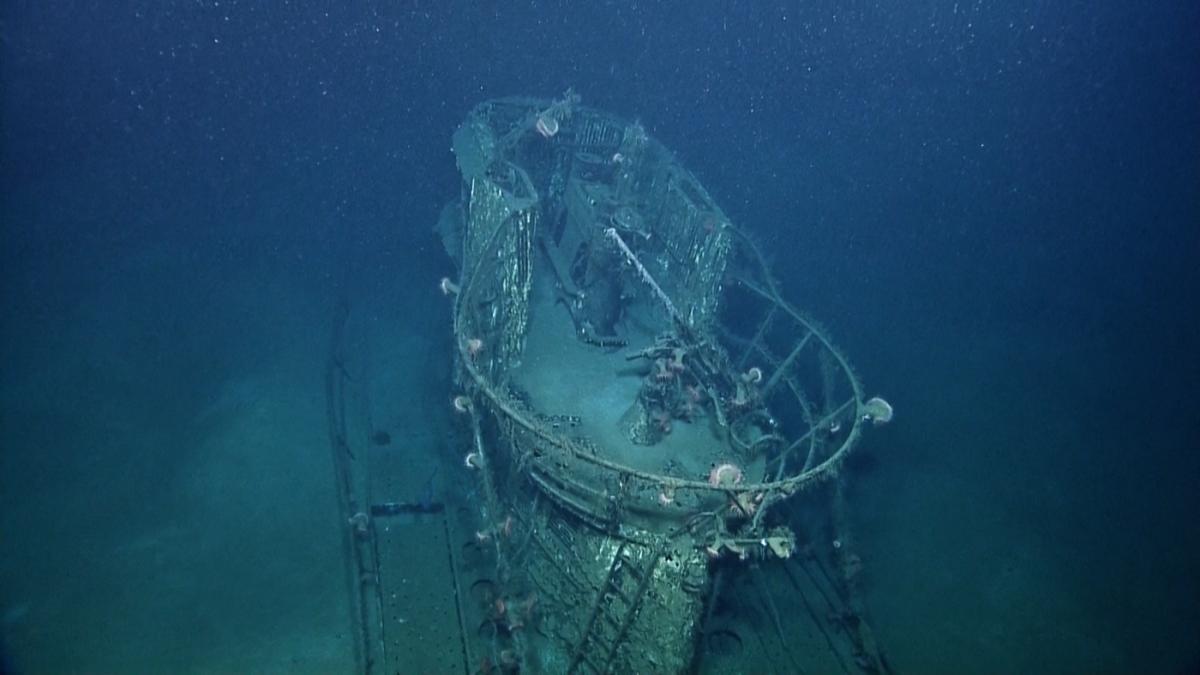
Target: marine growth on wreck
<point x="639" y="398"/>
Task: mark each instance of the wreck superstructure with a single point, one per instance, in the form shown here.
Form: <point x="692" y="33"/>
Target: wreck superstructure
<point x="638" y="397"/>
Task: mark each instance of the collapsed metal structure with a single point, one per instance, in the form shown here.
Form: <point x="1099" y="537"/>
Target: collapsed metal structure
<point x="639" y="395"/>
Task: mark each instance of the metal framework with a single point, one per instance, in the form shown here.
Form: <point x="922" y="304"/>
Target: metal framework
<point x="603" y="524"/>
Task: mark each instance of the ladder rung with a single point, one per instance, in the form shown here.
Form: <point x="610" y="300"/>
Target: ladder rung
<point x="633" y="570"/>
<point x="619" y="592"/>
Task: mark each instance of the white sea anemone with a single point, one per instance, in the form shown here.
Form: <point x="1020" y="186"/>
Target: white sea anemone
<point x="878" y="411"/>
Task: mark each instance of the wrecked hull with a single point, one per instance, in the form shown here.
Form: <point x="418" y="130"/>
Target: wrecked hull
<point x="639" y="397"/>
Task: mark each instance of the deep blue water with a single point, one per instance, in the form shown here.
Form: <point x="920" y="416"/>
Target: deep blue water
<point x="994" y="207"/>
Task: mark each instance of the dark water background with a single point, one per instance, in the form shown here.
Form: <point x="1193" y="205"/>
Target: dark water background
<point x="994" y="207"/>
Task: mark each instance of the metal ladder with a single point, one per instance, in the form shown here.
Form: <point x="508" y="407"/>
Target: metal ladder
<point x="613" y="612"/>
